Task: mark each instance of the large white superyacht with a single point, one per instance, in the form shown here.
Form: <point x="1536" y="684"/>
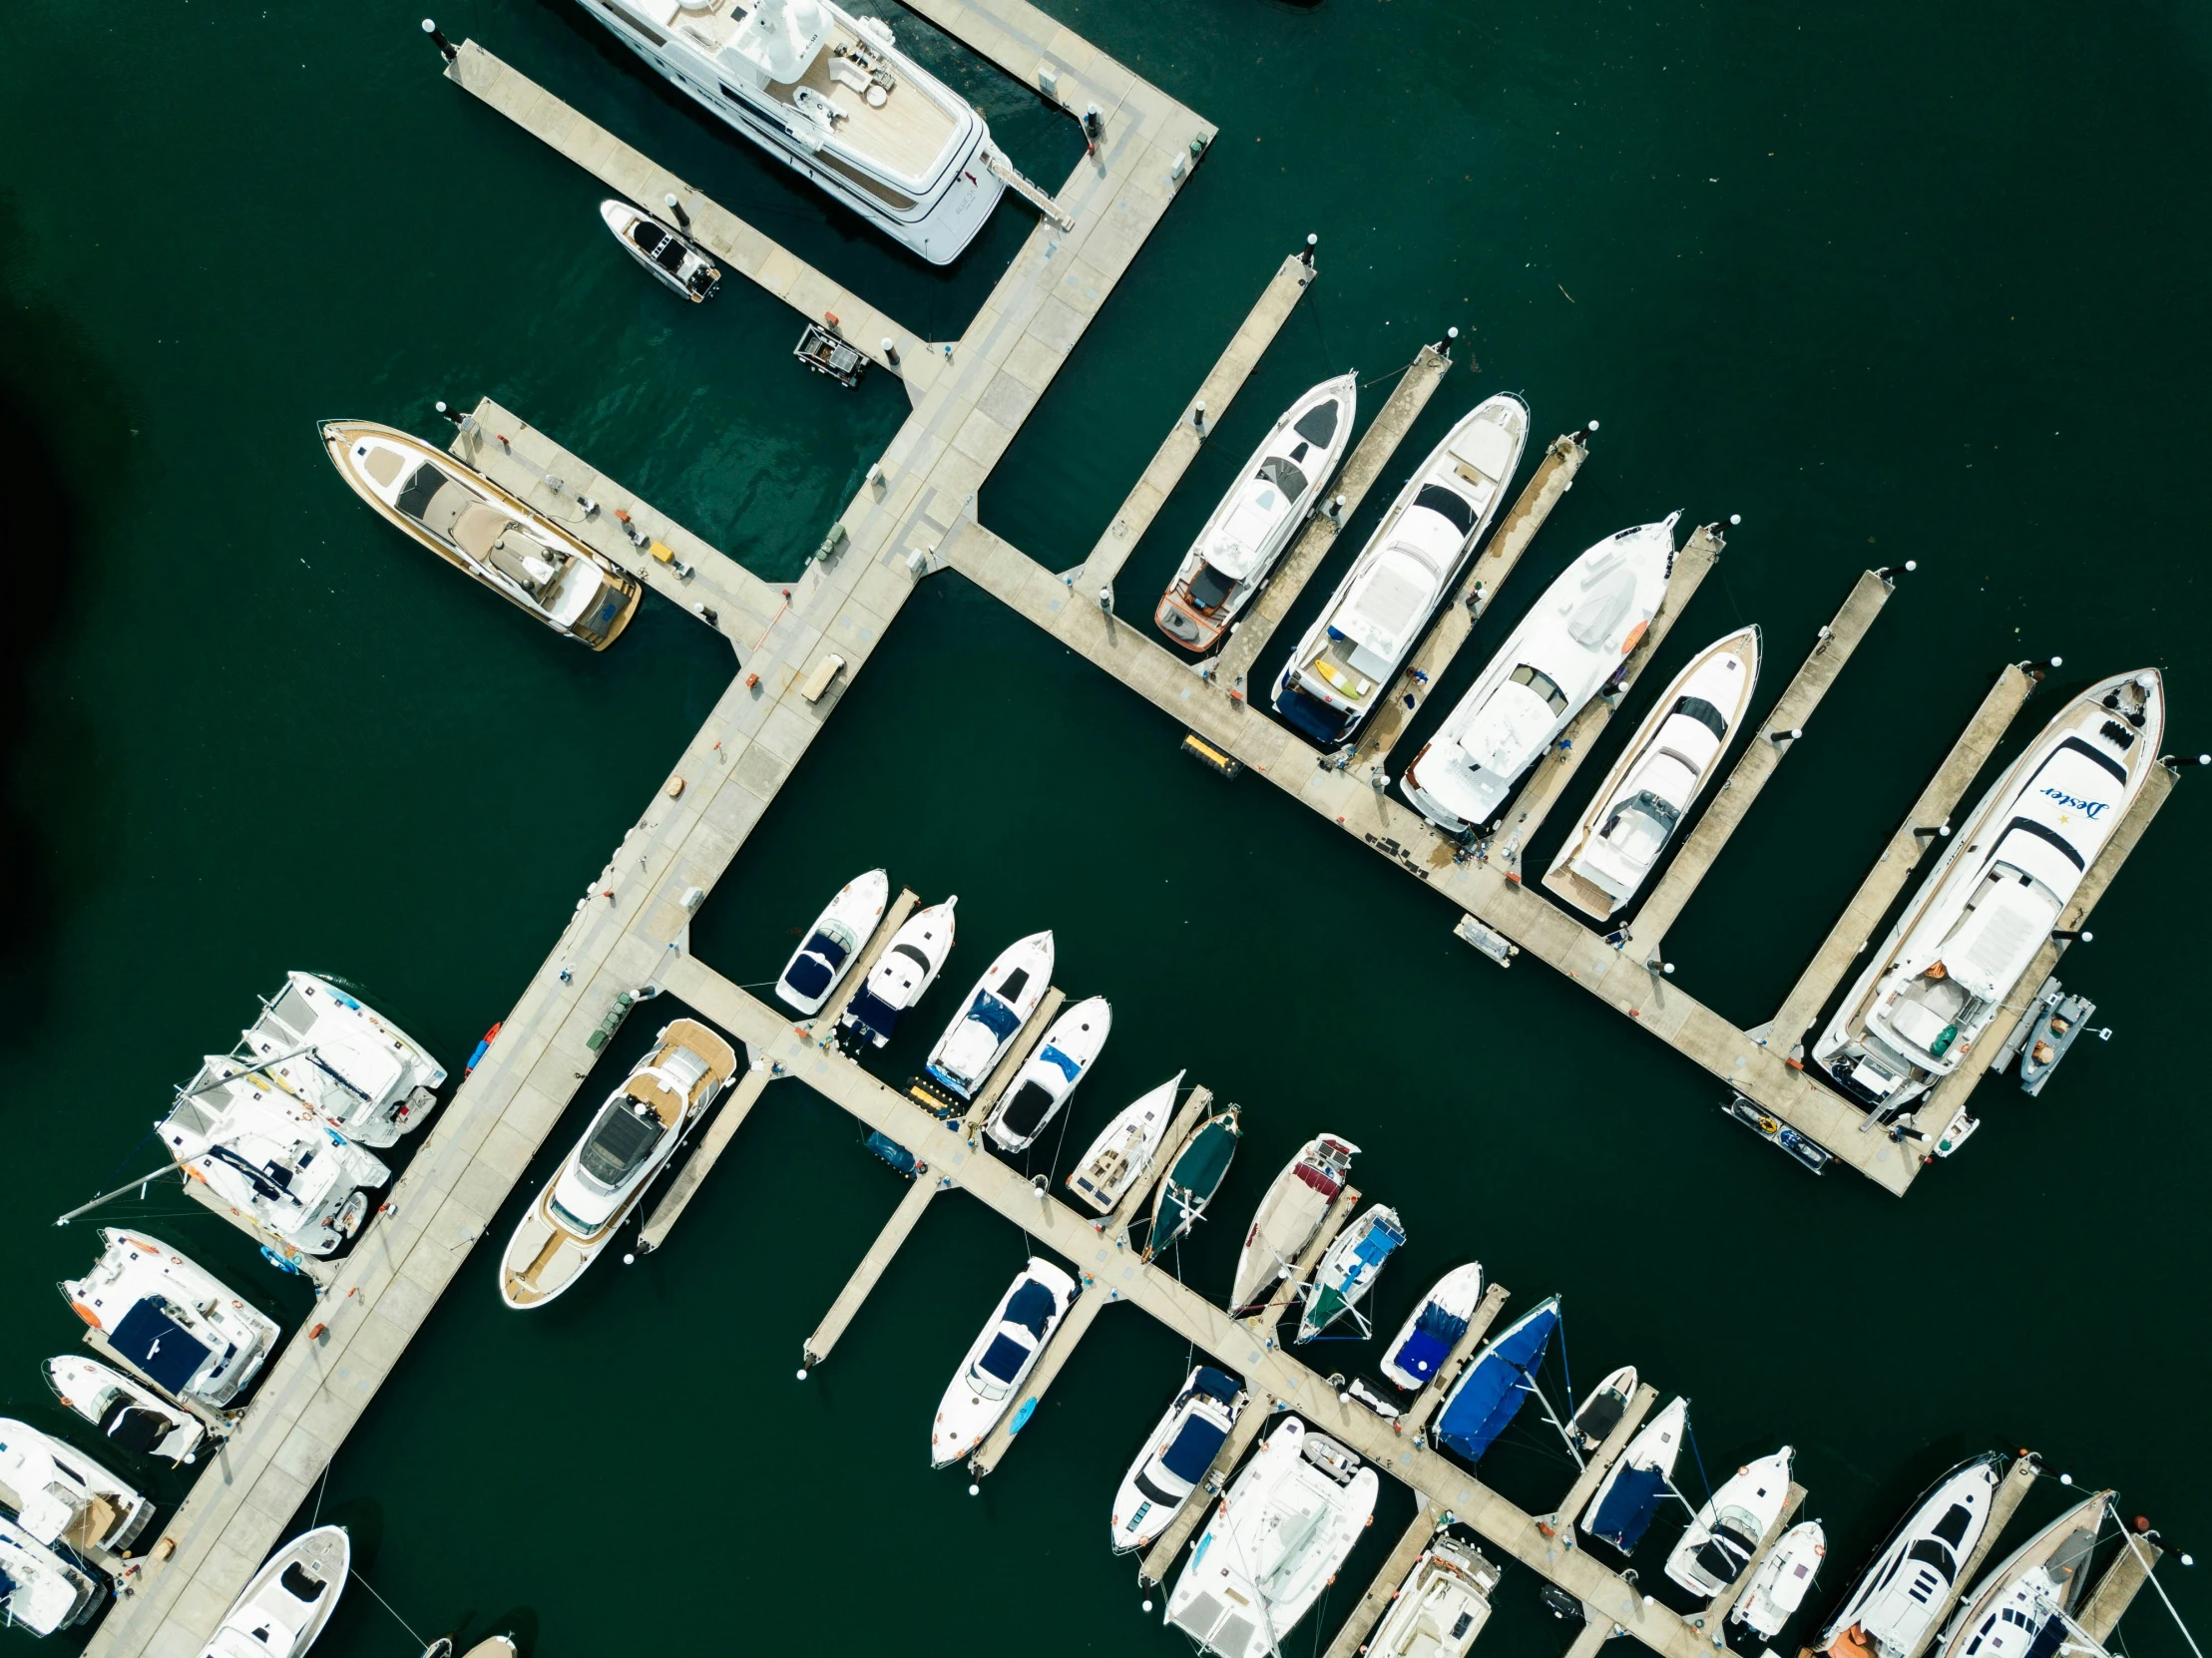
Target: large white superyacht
<point x="831" y="96"/>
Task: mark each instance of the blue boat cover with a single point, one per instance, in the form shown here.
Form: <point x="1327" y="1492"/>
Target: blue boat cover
<point x="1004" y="1358"/>
<point x="1420" y="1353"/>
<point x="1068" y="1068"/>
<point x="1623" y="1519"/>
<point x="1192" y="1452"/>
<point x="994" y="1015"/>
<point x="872" y="1013"/>
<point x="1032" y="1306"/>
<point x="897" y="1155"/>
<point x="1374" y="1248"/>
<point x="822" y="945"/>
<point x="1312" y="716"/>
<point x="808" y="973"/>
<point x="1495" y="1384"/>
<point x="1217" y="1383"/>
<point x="159" y="1345"/>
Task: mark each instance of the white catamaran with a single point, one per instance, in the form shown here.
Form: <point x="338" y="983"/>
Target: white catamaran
<point x="363" y="1074"/>
<point x="38" y="1591"/>
<point x="183" y="1327"/>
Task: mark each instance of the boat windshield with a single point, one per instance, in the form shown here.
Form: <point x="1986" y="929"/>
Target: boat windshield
<point x="1208" y="586"/>
<point x="620" y="1142"/>
<point x="1283" y="476"/>
<point x="414" y="498"/>
<point x="1543" y="684"/>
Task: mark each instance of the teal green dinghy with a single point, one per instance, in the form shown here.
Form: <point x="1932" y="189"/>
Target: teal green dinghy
<point x="1194" y="1174"/>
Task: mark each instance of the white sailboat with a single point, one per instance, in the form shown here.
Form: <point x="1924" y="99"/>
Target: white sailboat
<point x="60" y="1496"/>
<point x="1441" y="1606"/>
<point x="1675" y="753"/>
<point x="1725" y="1533"/>
<point x="290" y="1601"/>
<point x="902" y="975"/>
<point x="1569" y="644"/>
<point x="1349" y="1268"/>
<point x="39" y="1592"/>
<point x="1048" y="1079"/>
<point x="1894" y="1603"/>
<point x="831" y="96"/>
<point x="1784" y="1579"/>
<point x="1278" y="489"/>
<point x="678" y="263"/>
<point x="2038" y="1584"/>
<point x="1345" y="664"/>
<point x="994" y="1012"/>
<point x="129" y="1414"/>
<point x="1290" y="1213"/>
<point x="834" y="943"/>
<point x="1124" y="1148"/>
<point x="1978" y="921"/>
<point x="1175" y="1456"/>
<point x="1000" y="1360"/>
<point x="1433" y="1329"/>
<point x="183" y="1327"/>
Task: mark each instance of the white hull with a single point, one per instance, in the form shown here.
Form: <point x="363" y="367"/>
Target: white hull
<point x="171" y="1318"/>
<point x="61" y="1496"/>
<point x="833" y="943"/>
<point x="677" y="262"/>
<point x="1600" y="1413"/>
<point x="1121" y="1153"/>
<point x="1656" y="1445"/>
<point x="1726" y="1533"/>
<point x="1043" y="1086"/>
<point x="1289" y="1214"/>
<point x="1456" y="1296"/>
<point x="1176" y="1456"/>
<point x="988" y="1381"/>
<point x="267" y="1153"/>
<point x="1779" y="1587"/>
<point x="993" y="1014"/>
<point x="2040" y="1580"/>
<point x="46" y="1594"/>
<point x="902" y="975"/>
<point x="1896" y="1600"/>
<point x="1348" y="1268"/>
<point x="1440" y="1608"/>
<point x="290" y="1601"/>
<point x="124" y="1410"/>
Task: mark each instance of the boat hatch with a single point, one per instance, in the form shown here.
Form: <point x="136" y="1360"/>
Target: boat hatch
<point x="621" y="1140"/>
<point x="1031" y="1307"/>
<point x="1318" y="424"/>
<point x="1003" y="1359"/>
<point x="1449" y="505"/>
<point x="159" y="1345"/>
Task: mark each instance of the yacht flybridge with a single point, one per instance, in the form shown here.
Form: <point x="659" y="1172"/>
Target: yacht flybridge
<point x="360" y="1073"/>
<point x="183" y="1327"/>
<point x="603" y="1180"/>
<point x="902" y="975"/>
<point x="1985" y="911"/>
<point x="1569" y="644"/>
<point x="1275" y="493"/>
<point x="61" y="1496"/>
<point x="1342" y="669"/>
<point x="833" y="97"/>
<point x="1674" y="754"/>
<point x="484" y="532"/>
<point x="1890" y="1609"/>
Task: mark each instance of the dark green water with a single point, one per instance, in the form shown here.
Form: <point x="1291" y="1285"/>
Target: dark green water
<point x="1891" y="282"/>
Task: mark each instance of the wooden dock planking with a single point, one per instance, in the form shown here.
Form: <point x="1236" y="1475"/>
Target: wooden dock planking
<point x="1181" y="447"/>
<point x="1368" y="458"/>
<point x="1351" y="1638"/>
<point x="730" y="1116"/>
<point x="2004" y="1503"/>
<point x="1058" y="1351"/>
<point x="1424" y="1402"/>
<point x="1569" y="1510"/>
<point x="2122" y="1582"/>
<point x="872" y="1266"/>
<point x="1015" y="1057"/>
<point x="1761" y="756"/>
<point x="1715" y="1615"/>
<point x="1169" y="1543"/>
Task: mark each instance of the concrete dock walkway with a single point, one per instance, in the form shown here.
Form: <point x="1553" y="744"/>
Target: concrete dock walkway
<point x="1351" y="1638"/>
<point x="908" y="1215"/>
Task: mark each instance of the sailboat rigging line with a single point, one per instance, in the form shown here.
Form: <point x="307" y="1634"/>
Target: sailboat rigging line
<point x="2150" y="1576"/>
<point x="1690" y="1434"/>
<point x="1388" y="375"/>
<point x="389" y="1607"/>
<point x="1567" y="1372"/>
<point x="321" y="1486"/>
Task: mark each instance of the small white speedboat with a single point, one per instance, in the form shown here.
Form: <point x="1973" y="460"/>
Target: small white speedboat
<point x="1048" y="1077"/>
<point x="839" y="934"/>
<point x="1600" y="1413"/>
<point x="1349" y="1268"/>
<point x="38" y="1591"/>
<point x="902" y="975"/>
<point x="605" y="1178"/>
<point x="1441" y="1606"/>
<point x="1570" y="643"/>
<point x="1726" y="1533"/>
<point x="183" y="1327"/>
<point x="1176" y="1456"/>
<point x="678" y="262"/>
<point x="1622" y="1507"/>
<point x="126" y="1411"/>
<point x="1894" y="1603"/>
<point x="1433" y="1329"/>
<point x="1640" y="806"/>
<point x="61" y="1496"/>
<point x="1124" y="1148"/>
<point x="1290" y="1213"/>
<point x="2038" y="1584"/>
<point x="994" y="1012"/>
<point x="289" y="1600"/>
<point x="1784" y="1579"/>
<point x="1000" y="1360"/>
<point x="1276" y="491"/>
<point x="363" y="1074"/>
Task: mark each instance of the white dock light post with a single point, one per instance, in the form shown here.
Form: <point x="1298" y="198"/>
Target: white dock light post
<point x="437" y="38"/>
<point x="1313" y="240"/>
<point x="890" y="350"/>
<point x="682" y="218"/>
<point x="1198" y="416"/>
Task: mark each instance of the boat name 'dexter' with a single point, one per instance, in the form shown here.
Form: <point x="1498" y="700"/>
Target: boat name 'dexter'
<point x="2093" y="807"/>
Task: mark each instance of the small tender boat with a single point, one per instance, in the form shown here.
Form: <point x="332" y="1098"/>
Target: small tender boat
<point x="38" y="1591"/>
<point x="1194" y="1173"/>
<point x="1289" y="1215"/>
<point x="1175" y="1457"/>
<point x="1778" y="1589"/>
<point x="1124" y="1148"/>
<point x="1492" y="1390"/>
<point x="902" y="975"/>
<point x="1897" y="1598"/>
<point x="363" y="1075"/>
<point x="982" y="1390"/>
<point x="1442" y="1606"/>
<point x="267" y="1153"/>
<point x="1349" y="1268"/>
<point x="1273" y="1543"/>
<point x="1049" y="1076"/>
<point x="1644" y="799"/>
<point x="1570" y="643"/>
<point x="126" y="1411"/>
<point x="289" y="1600"/>
<point x="1433" y="1329"/>
<point x="1977" y="923"/>
<point x="997" y="1007"/>
<point x="607" y="1175"/>
<point x="2037" y="1585"/>
<point x="484" y="532"/>
<point x="177" y="1322"/>
<point x="839" y="934"/>
<point x="1726" y="1533"/>
<point x="1344" y="666"/>
<point x="1275" y="493"/>
<point x="1624" y="1506"/>
<point x="1600" y="1413"/>
<point x="61" y="1496"/>
<point x="678" y="262"/>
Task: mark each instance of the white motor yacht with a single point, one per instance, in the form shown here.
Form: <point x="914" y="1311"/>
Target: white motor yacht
<point x="603" y="1180"/>
<point x="1124" y="1148"/>
<point x="1048" y="1079"/>
<point x="1000" y="1360"/>
<point x="678" y="263"/>
<point x="1784" y="1579"/>
<point x="129" y="1413"/>
<point x="839" y="934"/>
<point x="1176" y="1456"/>
<point x="1636" y="813"/>
<point x="1343" y="668"/>
<point x="1433" y="1329"/>
<point x="1622" y="1507"/>
<point x="832" y="96"/>
<point x="289" y="1600"/>
<point x="2038" y="1584"/>
<point x="183" y="1327"/>
<point x="1290" y="1213"/>
<point x="1278" y="489"/>
<point x="1275" y="1541"/>
<point x="1570" y="643"/>
<point x="1726" y="1533"/>
<point x="1985" y="911"/>
<point x="365" y="1077"/>
<point x="1895" y="1601"/>
<point x="267" y="1153"/>
<point x="902" y="975"/>
<point x="61" y="1496"/>
<point x="1441" y="1606"/>
<point x="39" y="1592"/>
<point x="994" y="1012"/>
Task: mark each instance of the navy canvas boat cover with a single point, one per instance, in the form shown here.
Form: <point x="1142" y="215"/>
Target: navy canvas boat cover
<point x="1192" y="1452"/>
<point x="1424" y="1351"/>
<point x="994" y="1015"/>
<point x="1495" y="1384"/>
<point x="1626" y="1514"/>
<point x="808" y="972"/>
<point x="1309" y="714"/>
<point x="872" y="1013"/>
<point x="1220" y="1383"/>
<point x="1068" y="1068"/>
<point x="1004" y="1358"/>
<point x="159" y="1345"/>
<point x="1032" y="1306"/>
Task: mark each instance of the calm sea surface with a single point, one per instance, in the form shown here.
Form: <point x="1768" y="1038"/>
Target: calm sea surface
<point x="1890" y="281"/>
